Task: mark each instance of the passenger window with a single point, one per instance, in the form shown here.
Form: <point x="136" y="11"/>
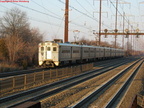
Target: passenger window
<point x="54" y="48"/>
<point x="48" y="48"/>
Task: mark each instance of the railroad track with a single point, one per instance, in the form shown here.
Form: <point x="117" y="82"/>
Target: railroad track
<point x="15" y="73"/>
<point x="54" y="88"/>
<point x="13" y="84"/>
<point x="110" y="93"/>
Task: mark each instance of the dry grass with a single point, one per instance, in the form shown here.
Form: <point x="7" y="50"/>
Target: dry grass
<point x="6" y="67"/>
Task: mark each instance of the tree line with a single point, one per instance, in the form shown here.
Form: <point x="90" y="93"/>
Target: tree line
<point x="18" y="41"/>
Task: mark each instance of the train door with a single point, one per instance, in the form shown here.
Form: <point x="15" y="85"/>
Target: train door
<point x="48" y="52"/>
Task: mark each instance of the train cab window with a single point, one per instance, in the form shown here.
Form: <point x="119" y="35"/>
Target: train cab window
<point x="48" y="48"/>
<point x="42" y="48"/>
<point x="54" y="48"/>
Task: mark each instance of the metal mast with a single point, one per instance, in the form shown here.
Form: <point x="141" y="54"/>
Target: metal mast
<point x="100" y="22"/>
<point x="116" y="22"/>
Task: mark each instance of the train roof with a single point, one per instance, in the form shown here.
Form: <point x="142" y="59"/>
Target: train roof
<point x="69" y="44"/>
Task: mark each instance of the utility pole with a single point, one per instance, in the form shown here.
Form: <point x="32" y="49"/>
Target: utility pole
<point x="66" y="21"/>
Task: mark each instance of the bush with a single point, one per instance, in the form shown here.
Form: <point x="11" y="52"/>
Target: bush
<point x="6" y="67"/>
<point x="3" y="50"/>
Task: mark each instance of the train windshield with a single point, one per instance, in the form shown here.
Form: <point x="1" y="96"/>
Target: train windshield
<point x="42" y="48"/>
<point x="54" y="49"/>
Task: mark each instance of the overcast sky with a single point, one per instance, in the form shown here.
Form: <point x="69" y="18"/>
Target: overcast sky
<point x="48" y="16"/>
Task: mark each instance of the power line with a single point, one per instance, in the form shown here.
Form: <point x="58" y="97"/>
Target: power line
<point x="121" y="14"/>
<point x="84" y="8"/>
<point x="44" y="14"/>
<point x="45" y="8"/>
<point x="45" y="22"/>
<point x="79" y="11"/>
<point x="90" y="4"/>
<point x="48" y="17"/>
<point x="37" y="11"/>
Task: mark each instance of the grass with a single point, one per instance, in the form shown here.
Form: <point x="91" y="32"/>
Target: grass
<point x="6" y="67"/>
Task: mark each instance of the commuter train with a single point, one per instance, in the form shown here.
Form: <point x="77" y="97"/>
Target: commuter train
<point x="52" y="54"/>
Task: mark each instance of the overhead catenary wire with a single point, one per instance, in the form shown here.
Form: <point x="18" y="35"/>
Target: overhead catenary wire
<point x="84" y="8"/>
<point x="45" y="14"/>
<point x="121" y="14"/>
<point x="59" y="17"/>
<point x="42" y="21"/>
<point x="85" y="13"/>
<point x="37" y="11"/>
<point x="45" y="8"/>
<point x="80" y="11"/>
<point x="90" y="4"/>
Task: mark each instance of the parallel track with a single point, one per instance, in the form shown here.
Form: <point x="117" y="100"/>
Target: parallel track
<point x="113" y="102"/>
<point x="89" y="99"/>
<point x="14" y="73"/>
<point x="66" y="84"/>
<point x="56" y="87"/>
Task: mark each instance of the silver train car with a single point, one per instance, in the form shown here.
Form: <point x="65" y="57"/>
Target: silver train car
<point x="53" y="54"/>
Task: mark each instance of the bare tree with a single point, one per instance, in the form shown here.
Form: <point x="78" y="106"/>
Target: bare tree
<point x="3" y="50"/>
<point x="14" y="22"/>
<point x="14" y="45"/>
<point x="32" y="47"/>
<point x="20" y="40"/>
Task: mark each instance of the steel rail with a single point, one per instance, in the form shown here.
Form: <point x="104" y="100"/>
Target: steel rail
<point x="81" y="103"/>
<point x="21" y="72"/>
<point x="101" y="71"/>
<point x="14" y="73"/>
<point x="105" y="66"/>
<point x="118" y="93"/>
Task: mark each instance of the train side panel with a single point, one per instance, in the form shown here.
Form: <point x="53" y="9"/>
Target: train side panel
<point x="97" y="53"/>
<point x="65" y="53"/>
<point x="101" y="52"/>
<point x="107" y="52"/>
<point x="76" y="53"/>
<point x="92" y="53"/>
<point x="69" y="53"/>
<point x="85" y="53"/>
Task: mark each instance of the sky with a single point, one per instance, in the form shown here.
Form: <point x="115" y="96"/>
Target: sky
<point x="48" y="17"/>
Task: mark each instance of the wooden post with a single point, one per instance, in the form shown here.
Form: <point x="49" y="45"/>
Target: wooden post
<point x="66" y="21"/>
